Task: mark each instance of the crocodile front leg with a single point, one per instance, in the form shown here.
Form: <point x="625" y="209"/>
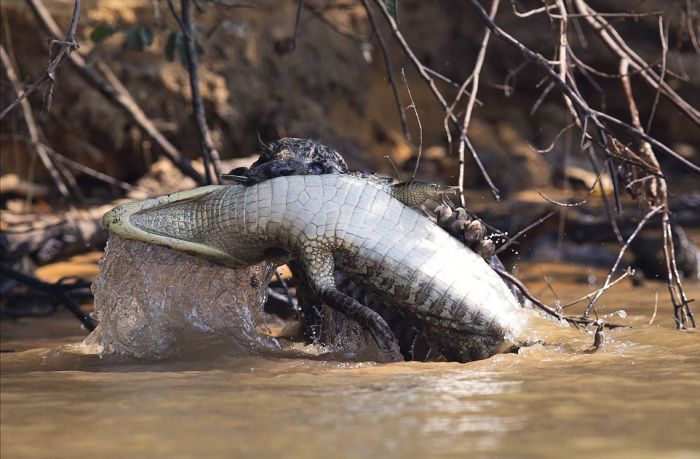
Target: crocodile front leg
<point x="319" y="266"/>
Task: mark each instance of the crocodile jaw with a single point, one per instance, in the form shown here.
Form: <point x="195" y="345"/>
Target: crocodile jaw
<point x="120" y="221"/>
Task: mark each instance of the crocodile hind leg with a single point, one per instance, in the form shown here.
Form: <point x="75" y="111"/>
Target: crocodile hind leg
<point x="319" y="269"/>
<point x="366" y="317"/>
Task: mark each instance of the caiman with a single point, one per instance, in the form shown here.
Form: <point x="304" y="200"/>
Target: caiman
<point x="348" y="223"/>
<point x="319" y="323"/>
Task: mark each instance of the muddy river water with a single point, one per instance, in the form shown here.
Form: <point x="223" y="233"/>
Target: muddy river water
<point x="636" y="397"/>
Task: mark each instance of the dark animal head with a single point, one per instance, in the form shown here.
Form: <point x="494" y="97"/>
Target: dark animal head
<point x="292" y="156"/>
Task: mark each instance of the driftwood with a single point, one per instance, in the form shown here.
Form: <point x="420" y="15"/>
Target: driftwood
<point x="60" y="292"/>
<point x="44" y="238"/>
<point x="47" y="237"/>
<point x="14" y="185"/>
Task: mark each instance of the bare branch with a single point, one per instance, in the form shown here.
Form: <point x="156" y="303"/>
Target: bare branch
<point x="32" y="128"/>
<point x="297" y="22"/>
<point x="523" y="231"/>
<point x="656" y="306"/>
<point x="116" y="93"/>
<point x="389" y="70"/>
<point x="584" y="111"/>
<point x="91" y="172"/>
<point x="67" y="46"/>
<point x="59" y="289"/>
<point x="664" y="51"/>
<point x="548" y="309"/>
<point x="620" y="254"/>
<point x="420" y="125"/>
<point x="563" y="49"/>
<point x="436" y="92"/>
<point x="556" y="138"/>
<point x="472" y="97"/>
<point x="628" y="272"/>
<point x="209" y="152"/>
<point x="617" y="45"/>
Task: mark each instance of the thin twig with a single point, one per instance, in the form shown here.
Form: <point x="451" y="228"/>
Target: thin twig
<point x="69" y="177"/>
<point x="657" y="192"/>
<point x="389" y="70"/>
<point x="81" y="167"/>
<point x="532" y="12"/>
<point x="398" y="174"/>
<point x="620" y="254"/>
<point x="32" y="128"/>
<point x="114" y="91"/>
<point x="548" y="283"/>
<point x="574" y="204"/>
<point x="318" y="13"/>
<point x="185" y="31"/>
<point x="92" y="172"/>
<point x="628" y="272"/>
<point x="445" y="79"/>
<point x="617" y="45"/>
<point x="548" y="309"/>
<point x="472" y="97"/>
<point x="209" y="152"/>
<point x="460" y="92"/>
<point x="683" y="313"/>
<point x="522" y="232"/>
<point x="556" y="138"/>
<point x="436" y="92"/>
<point x="420" y="125"/>
<point x="541" y="99"/>
<point x="297" y="22"/>
<point x="67" y="46"/>
<point x="664" y="52"/>
<point x="656" y="306"/>
<point x="287" y="292"/>
<point x="562" y="54"/>
<point x="691" y="27"/>
<point x="585" y="112"/>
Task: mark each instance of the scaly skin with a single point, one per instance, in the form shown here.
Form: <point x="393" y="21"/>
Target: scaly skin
<point x="292" y="156"/>
<point x="340" y="220"/>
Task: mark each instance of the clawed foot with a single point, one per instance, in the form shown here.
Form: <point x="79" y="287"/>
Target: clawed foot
<point x="369" y="320"/>
<point x="388" y="348"/>
<point x="466" y="228"/>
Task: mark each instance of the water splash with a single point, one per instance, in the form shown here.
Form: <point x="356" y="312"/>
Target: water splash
<point x="150" y="300"/>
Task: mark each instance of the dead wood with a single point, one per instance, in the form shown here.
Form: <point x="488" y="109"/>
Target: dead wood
<point x="44" y="238"/>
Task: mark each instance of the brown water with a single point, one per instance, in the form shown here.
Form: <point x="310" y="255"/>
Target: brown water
<point x="635" y="397"/>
